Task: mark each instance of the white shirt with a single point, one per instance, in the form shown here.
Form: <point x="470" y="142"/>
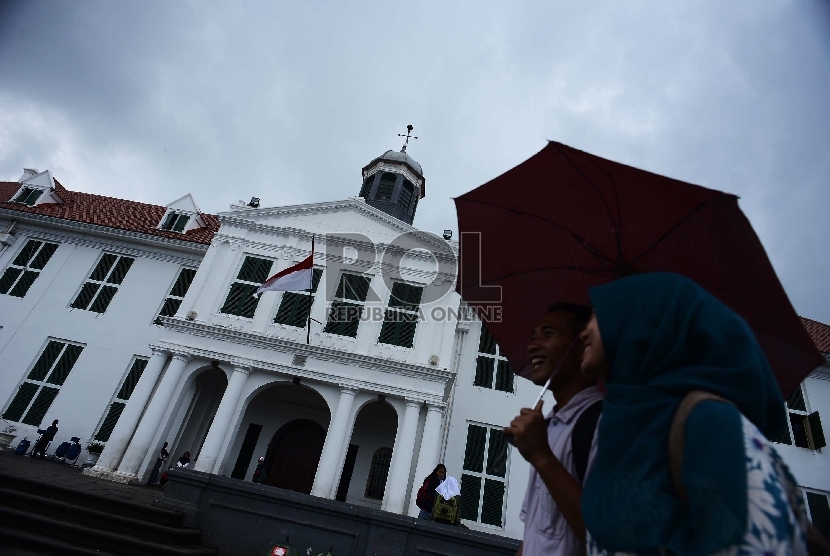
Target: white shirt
<point x="546" y="531"/>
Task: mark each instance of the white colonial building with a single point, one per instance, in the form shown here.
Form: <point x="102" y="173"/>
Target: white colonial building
<point x="136" y="325"/>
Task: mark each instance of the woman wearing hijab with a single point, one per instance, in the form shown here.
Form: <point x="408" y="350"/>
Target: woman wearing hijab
<point x="426" y="494"/>
<point x="163" y="455"/>
<point x="655" y="338"/>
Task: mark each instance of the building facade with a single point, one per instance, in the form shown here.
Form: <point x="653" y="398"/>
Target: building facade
<point x="137" y="325"/>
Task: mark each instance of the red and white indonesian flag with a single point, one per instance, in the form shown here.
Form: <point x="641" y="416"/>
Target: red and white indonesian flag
<point x="295" y="278"/>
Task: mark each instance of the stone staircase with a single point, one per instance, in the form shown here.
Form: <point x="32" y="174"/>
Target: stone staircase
<point x="38" y="518"/>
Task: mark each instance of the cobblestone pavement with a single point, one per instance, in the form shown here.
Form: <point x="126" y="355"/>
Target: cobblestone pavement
<point x="61" y="474"/>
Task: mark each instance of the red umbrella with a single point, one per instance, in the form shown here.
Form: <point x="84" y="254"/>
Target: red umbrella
<point x="564" y="221"/>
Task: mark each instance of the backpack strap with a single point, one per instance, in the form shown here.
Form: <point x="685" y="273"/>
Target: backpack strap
<point x="677" y="435"/>
<point x="583" y="436"/>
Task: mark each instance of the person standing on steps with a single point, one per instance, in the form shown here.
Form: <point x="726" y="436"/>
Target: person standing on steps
<point x="260" y="475"/>
<point x="45" y="439"/>
<point x="163" y="455"/>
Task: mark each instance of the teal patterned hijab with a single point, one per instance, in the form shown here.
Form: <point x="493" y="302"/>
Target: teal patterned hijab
<point x="665" y="336"/>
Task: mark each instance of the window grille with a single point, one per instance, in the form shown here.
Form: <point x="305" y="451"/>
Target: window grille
<point x="119" y="401"/>
<point x="401" y="318"/>
<point x="28" y="196"/>
<point x="386" y="186"/>
<point x="492" y="369"/>
<point x="174" y="299"/>
<point x="367" y="186"/>
<point x="484" y="476"/>
<point x="379" y="471"/>
<point x="347" y="307"/>
<point x="295" y="307"/>
<point x="405" y="196"/>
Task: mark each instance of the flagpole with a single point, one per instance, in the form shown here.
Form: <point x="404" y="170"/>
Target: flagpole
<point x="308" y="325"/>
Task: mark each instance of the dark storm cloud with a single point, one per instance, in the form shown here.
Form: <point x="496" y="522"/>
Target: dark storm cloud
<point x="288" y="100"/>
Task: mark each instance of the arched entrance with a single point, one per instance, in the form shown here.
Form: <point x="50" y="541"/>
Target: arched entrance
<point x="293" y="455"/>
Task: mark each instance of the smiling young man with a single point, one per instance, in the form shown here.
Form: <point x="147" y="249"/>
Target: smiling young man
<point x="558" y="447"/>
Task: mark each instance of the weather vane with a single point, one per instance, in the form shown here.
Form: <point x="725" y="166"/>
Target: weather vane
<point x="408" y="137"/>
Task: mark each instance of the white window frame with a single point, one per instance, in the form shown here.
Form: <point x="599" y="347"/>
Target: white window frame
<point x="235" y="279"/>
<point x="484" y="476"/>
<point x="803" y="414"/>
<point x="313" y="294"/>
<point x="348" y="301"/>
<point x="403" y="311"/>
<point x="179" y="214"/>
<point x="42" y="383"/>
<point x="26" y="268"/>
<point x="29" y="189"/>
<point x="496" y="357"/>
<point x="102" y="282"/>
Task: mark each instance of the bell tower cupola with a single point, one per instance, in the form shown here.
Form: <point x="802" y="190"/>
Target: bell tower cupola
<point x="394" y="182"/>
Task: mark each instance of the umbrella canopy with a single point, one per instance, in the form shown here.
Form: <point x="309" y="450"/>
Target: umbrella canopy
<point x="564" y="221"/>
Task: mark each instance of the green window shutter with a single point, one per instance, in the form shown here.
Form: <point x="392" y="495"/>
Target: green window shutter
<point x="171" y="306"/>
<point x="64" y="365"/>
<point x="120" y="271"/>
<point x="20" y="402"/>
<point x="819" y="512"/>
<point x="816" y="431"/>
<point x="353" y="287"/>
<point x="241" y="300"/>
<point x="405" y="296"/>
<point x="389" y="331"/>
<point x="367" y="187"/>
<point x="398" y="329"/>
<point x="32" y="197"/>
<point x="103" y="267"/>
<point x="103" y="300"/>
<point x="492" y="502"/>
<point x="132" y="379"/>
<point x="183" y="282"/>
<point x="497" y="454"/>
<point x="255" y="270"/>
<point x="470" y="495"/>
<point x="22" y="195"/>
<point x="504" y="377"/>
<point x="40" y="406"/>
<point x="474" y="451"/>
<point x="294" y="309"/>
<point x="27" y="253"/>
<point x="316" y="274"/>
<point x="181" y="222"/>
<point x="86" y="294"/>
<point x="486" y="343"/>
<point x="796" y="400"/>
<point x="8" y="279"/>
<point x="46" y="360"/>
<point x="168" y="222"/>
<point x="23" y="285"/>
<point x="43" y="256"/>
<point x="110" y="421"/>
<point x="344" y="319"/>
<point x="484" y="371"/>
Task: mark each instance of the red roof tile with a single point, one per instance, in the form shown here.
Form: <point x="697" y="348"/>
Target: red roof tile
<point x="108" y="211"/>
<point x="819" y="332"/>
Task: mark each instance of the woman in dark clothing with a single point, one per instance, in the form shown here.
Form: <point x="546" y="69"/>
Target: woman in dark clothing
<point x="163" y="455"/>
<point x="426" y="495"/>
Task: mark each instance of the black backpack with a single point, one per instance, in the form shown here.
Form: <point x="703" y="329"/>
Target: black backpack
<point x="583" y="436"/>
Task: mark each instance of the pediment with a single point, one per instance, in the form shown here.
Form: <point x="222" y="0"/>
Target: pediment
<point x="43" y="180"/>
<point x="347" y="217"/>
<point x="184" y="204"/>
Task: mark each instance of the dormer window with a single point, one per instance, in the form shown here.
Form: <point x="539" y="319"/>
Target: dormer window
<point x="28" y="196"/>
<point x="175" y="222"/>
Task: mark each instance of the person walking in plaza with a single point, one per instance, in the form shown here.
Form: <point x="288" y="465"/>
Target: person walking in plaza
<point x="681" y="366"/>
<point x="162" y="458"/>
<point x="426" y="494"/>
<point x="557" y="447"/>
<point x="45" y="439"/>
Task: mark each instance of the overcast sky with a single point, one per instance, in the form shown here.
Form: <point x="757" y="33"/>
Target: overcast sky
<point x="287" y="101"/>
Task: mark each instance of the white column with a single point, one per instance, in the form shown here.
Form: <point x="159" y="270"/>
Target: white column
<point x="327" y="472"/>
<point x="221" y="421"/>
<point x="127" y="423"/>
<point x="149" y="425"/>
<point x="398" y="479"/>
<point x="428" y="457"/>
